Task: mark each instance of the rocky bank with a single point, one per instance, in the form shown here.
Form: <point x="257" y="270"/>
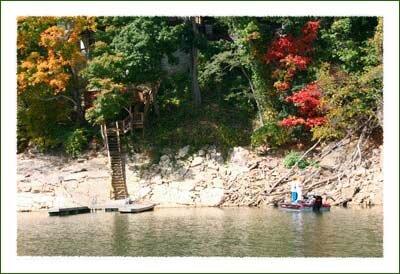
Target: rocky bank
<point x="204" y="178"/>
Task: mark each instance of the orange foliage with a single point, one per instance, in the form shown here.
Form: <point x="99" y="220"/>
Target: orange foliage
<point x="63" y="54"/>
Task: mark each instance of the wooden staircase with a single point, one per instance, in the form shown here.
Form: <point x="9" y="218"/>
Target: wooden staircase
<point x="111" y="135"/>
<point x="117" y="164"/>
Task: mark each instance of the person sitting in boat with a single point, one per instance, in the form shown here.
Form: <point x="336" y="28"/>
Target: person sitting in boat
<point x="317" y="204"/>
<point x="309" y="198"/>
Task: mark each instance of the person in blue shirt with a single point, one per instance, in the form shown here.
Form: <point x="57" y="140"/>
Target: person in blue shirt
<point x="294" y="184"/>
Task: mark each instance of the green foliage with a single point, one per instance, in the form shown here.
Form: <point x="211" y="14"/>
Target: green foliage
<point x="41" y="121"/>
<point x="353" y="97"/>
<point x="344" y="40"/>
<point x="105" y="66"/>
<point x="76" y="142"/>
<point x="143" y="43"/>
<point x="110" y="101"/>
<point x="294" y="157"/>
<point x="235" y="82"/>
<point x="174" y="92"/>
<point x="271" y="134"/>
<point x="106" y="108"/>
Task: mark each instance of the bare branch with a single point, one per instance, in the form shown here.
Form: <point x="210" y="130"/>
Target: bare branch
<point x="58" y="97"/>
<point x="288" y="174"/>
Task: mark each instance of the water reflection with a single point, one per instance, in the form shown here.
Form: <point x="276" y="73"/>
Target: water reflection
<point x="120" y="235"/>
<point x="238" y="232"/>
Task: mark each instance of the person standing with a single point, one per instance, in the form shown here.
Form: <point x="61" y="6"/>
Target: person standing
<point x="299" y="188"/>
<point x="294" y="184"/>
<point x="296" y="189"/>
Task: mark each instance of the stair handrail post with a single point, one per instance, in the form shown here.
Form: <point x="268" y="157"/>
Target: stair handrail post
<point x="104" y="126"/>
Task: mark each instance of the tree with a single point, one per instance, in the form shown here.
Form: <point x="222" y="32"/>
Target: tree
<point x="129" y="57"/>
<point x="58" y="59"/>
<point x="290" y="55"/>
<point x="354" y="97"/>
<point x="194" y="63"/>
<point x="49" y="89"/>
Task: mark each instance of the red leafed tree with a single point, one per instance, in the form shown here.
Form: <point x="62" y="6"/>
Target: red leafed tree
<point x="309" y="105"/>
<point x="289" y="55"/>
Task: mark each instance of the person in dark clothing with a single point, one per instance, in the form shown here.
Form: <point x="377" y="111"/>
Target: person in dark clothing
<point x="317" y="203"/>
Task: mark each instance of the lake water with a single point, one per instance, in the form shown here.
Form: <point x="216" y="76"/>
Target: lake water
<point x="237" y="232"/>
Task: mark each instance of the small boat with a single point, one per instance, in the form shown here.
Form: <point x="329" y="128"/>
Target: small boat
<point x="312" y="205"/>
<point x="136" y="208"/>
<point x="304" y="207"/>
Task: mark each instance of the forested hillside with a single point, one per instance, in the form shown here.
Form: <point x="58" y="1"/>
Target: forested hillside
<point x="268" y="82"/>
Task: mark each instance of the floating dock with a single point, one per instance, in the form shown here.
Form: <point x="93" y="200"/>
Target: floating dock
<point x="69" y="211"/>
<point x="136" y="208"/>
<point x="111" y="209"/>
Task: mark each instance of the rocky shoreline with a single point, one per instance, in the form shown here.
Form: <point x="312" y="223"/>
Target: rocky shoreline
<point x="204" y="178"/>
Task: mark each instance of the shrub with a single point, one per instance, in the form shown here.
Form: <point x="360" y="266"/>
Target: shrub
<point x="292" y="158"/>
<point x="76" y="142"/>
<point x="271" y="134"/>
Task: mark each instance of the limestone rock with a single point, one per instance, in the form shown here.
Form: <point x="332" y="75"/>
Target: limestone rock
<point x="348" y="192"/>
<point x="164" y="158"/>
<point x="330" y="160"/>
<point x="157" y="180"/>
<point x="218" y="182"/>
<point x="36" y="187"/>
<point x="360" y="172"/>
<point x="143" y="192"/>
<point x="197" y="161"/>
<point x="183" y="152"/>
<point x="187" y="185"/>
<point x="184" y="198"/>
<point x="239" y="156"/>
<point x="25" y="187"/>
<point x="211" y="196"/>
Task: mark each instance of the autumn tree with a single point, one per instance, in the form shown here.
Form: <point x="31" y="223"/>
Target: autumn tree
<point x="50" y="57"/>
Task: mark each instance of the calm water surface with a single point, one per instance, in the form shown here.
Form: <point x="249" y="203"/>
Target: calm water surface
<point x="239" y="232"/>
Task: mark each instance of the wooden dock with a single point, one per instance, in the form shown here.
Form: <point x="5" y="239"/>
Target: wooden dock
<point x="136" y="208"/>
<point x="69" y="211"/>
<point x="111" y="209"/>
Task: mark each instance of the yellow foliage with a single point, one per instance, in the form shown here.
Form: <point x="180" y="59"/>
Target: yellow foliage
<point x="62" y="47"/>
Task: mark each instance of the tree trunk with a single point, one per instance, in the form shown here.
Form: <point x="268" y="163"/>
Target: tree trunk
<point x="255" y="95"/>
<point x="77" y="95"/>
<point x="146" y="113"/>
<point x="154" y="92"/>
<point x="193" y="66"/>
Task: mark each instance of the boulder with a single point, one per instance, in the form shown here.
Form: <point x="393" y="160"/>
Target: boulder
<point x="239" y="157"/>
<point x="218" y="182"/>
<point x="159" y="194"/>
<point x="197" y="161"/>
<point x="164" y="158"/>
<point x="213" y="165"/>
<point x="157" y="180"/>
<point x="184" y="198"/>
<point x="348" y="192"/>
<point x="360" y="172"/>
<point x="217" y="157"/>
<point x="143" y="192"/>
<point x="183" y="152"/>
<point x="187" y="185"/>
<point x="25" y="187"/>
<point x="182" y="172"/>
<point x="211" y="196"/>
<point x="330" y="160"/>
<point x="36" y="187"/>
